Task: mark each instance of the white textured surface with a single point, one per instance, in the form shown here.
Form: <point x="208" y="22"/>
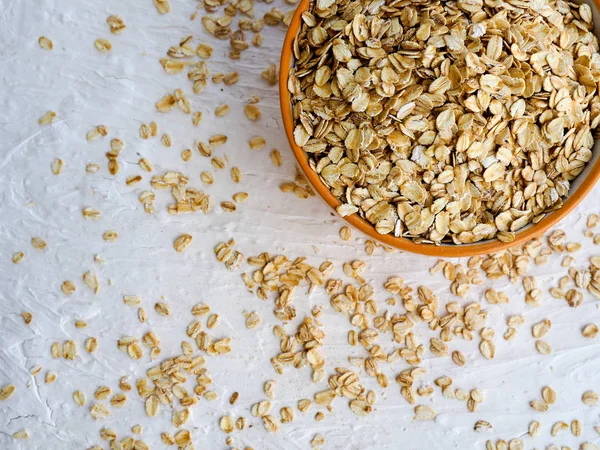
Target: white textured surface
<point x="119" y="90"/>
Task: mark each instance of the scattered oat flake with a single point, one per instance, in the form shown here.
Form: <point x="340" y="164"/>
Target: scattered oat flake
<point x="38" y="243"/>
<point x="557" y="427"/>
<point x="91" y="280"/>
<point x="222" y="110"/>
<point x="270" y="423"/>
<point x="257" y="143"/>
<point x="200" y="309"/>
<point x="103" y="45"/>
<point x="542" y="328"/>
<point x="543" y="347"/>
<point x="576" y="427"/>
<point x="424" y="412"/>
<point x="228" y="207"/>
<point x="590" y="331"/>
<point x="317" y="441"/>
<point x="217" y="140"/>
<point x="162" y="6"/>
<point x="345" y="233"/>
<point x="482" y="426"/>
<point x="196" y="118"/>
<point x="207" y="177"/>
<point x="118" y="400"/>
<point x="91" y="344"/>
<point x="589" y="446"/>
<point x="487" y="348"/>
<point x="99" y="411"/>
<point x="45" y="43"/>
<point x="91" y="213"/>
<point x="7" y="391"/>
<point x="102" y="393"/>
<point x="47" y="118"/>
<point x="549" y="395"/>
<point x="21" y="434"/>
<point x="56" y="350"/>
<point x="172" y="66"/>
<point x="226" y="423"/>
<point x="92" y="168"/>
<point x="204" y="51"/>
<point x="539" y="405"/>
<point x="166" y="104"/>
<point x="186" y="155"/>
<point x="68" y="287"/>
<point x="57" y="166"/>
<point x="167" y="438"/>
<point x="252" y="112"/>
<point x="276" y="157"/>
<point x="534" y="428"/>
<point x="50" y="378"/>
<point x="70" y="350"/>
<point x="79" y="398"/>
<point x="116" y="24"/>
<point x="590" y="398"/>
<point x="27" y="317"/>
<point x="145" y="165"/>
<point x="110" y="236"/>
<point x="163" y="309"/>
<point x="231" y="78"/>
<point x="144" y="131"/>
<point x="253" y="320"/>
<point x="96" y="133"/>
<point x="240" y="197"/>
<point x="236" y="174"/>
<point x="271" y="74"/>
<point x="182" y="242"/>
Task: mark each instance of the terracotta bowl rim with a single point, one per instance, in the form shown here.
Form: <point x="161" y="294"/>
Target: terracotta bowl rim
<point x="354" y="220"/>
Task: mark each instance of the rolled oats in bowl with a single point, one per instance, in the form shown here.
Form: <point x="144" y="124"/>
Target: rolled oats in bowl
<point x="446" y="121"/>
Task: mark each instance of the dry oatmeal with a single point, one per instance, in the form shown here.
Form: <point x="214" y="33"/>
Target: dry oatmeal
<point x="457" y="75"/>
<point x="446" y="122"/>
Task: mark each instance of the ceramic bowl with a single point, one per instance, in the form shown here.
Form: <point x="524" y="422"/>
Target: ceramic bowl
<point x="580" y="187"/>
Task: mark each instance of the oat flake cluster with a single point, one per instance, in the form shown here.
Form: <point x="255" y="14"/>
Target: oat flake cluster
<point x="452" y="121"/>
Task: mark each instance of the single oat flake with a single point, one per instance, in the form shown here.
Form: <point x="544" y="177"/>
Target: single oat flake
<point x="45" y="43"/>
<point x="116" y="24"/>
<point x="7" y="391"/>
<point x="252" y="112"/>
<point x="103" y="45"/>
<point x="182" y="242"/>
<point x="162" y="6"/>
<point x="57" y="166"/>
<point x="47" y="118"/>
<point x="276" y="157"/>
<point x="21" y="434"/>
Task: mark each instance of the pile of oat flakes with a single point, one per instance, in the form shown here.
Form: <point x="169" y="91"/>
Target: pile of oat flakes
<point x="180" y="381"/>
<point x="446" y="121"/>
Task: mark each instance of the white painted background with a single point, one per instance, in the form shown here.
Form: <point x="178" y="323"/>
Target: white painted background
<point x="119" y="90"/>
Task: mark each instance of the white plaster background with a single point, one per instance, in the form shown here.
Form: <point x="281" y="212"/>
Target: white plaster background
<point x="119" y="90"/>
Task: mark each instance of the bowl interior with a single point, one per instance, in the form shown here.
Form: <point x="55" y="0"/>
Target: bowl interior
<point x="580" y="187"/>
